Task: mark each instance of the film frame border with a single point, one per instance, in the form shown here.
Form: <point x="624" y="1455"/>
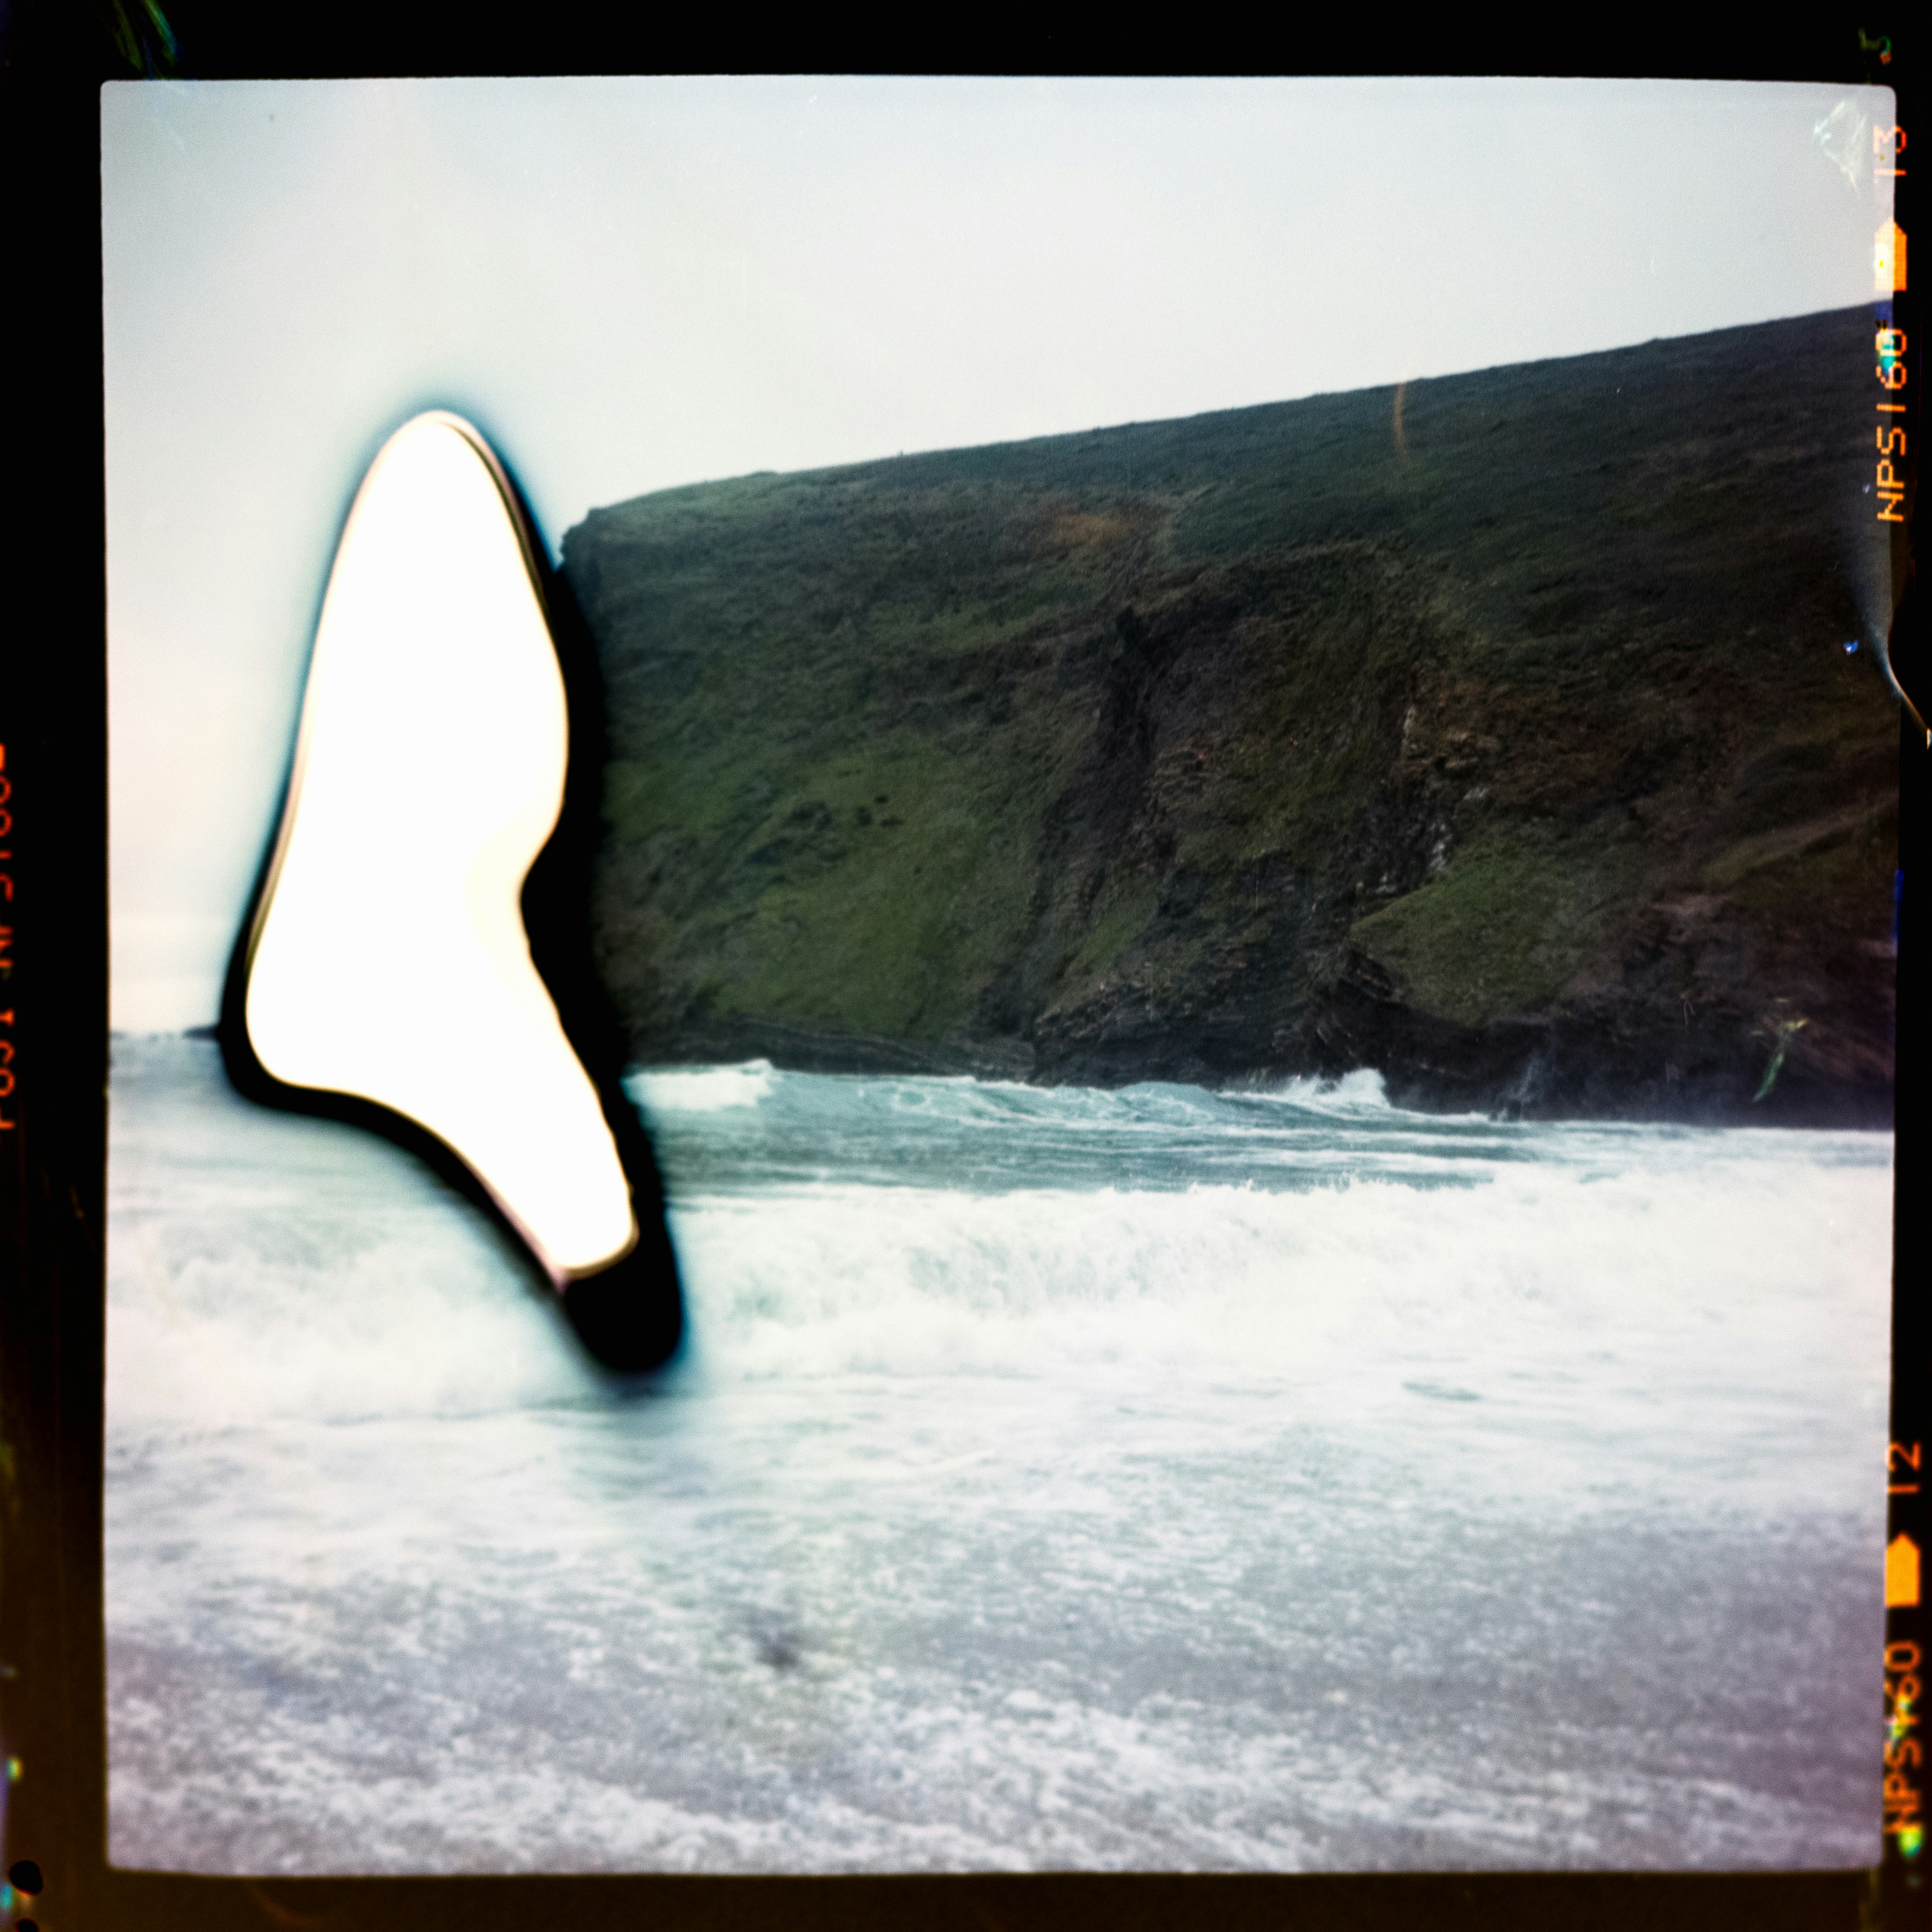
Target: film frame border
<point x="52" y="693"/>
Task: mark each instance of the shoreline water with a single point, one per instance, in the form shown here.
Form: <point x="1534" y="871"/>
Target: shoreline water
<point x="791" y="1050"/>
<point x="1155" y="1480"/>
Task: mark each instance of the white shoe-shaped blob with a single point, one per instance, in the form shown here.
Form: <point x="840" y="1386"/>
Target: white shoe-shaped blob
<point x="388" y="958"/>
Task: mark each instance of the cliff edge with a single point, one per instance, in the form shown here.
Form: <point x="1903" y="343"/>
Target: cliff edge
<point x="1500" y="734"/>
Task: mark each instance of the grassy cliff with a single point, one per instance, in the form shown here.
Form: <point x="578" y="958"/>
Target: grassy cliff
<point x="1504" y="740"/>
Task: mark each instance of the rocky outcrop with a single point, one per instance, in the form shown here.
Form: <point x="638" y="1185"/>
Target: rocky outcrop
<point x="1522" y="759"/>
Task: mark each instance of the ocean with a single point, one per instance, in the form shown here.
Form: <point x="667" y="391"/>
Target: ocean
<point x="1055" y="1479"/>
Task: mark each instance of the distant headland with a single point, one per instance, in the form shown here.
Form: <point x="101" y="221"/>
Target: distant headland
<point x="1509" y="746"/>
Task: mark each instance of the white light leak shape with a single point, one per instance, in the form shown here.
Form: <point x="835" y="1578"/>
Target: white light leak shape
<point x="389" y="959"/>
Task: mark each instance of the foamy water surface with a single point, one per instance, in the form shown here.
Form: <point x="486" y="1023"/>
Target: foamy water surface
<point x="1154" y="1479"/>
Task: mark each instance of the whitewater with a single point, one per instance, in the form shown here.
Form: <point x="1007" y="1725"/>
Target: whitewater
<point x="1054" y="1479"/>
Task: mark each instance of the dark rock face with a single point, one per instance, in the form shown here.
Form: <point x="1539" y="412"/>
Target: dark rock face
<point x="1522" y="760"/>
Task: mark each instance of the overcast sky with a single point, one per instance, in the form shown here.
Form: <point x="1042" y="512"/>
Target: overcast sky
<point x="629" y="284"/>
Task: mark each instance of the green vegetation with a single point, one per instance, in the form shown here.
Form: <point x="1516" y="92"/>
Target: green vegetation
<point x="1252" y="743"/>
<point x="1501" y="932"/>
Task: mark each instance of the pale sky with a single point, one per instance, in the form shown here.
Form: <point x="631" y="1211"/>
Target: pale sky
<point x="629" y="284"/>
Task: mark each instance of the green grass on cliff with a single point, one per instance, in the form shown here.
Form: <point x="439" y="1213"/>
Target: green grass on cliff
<point x="1091" y="736"/>
<point x="1501" y="932"/>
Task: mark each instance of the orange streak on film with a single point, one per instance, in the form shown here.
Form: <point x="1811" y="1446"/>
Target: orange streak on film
<point x="1901" y="1573"/>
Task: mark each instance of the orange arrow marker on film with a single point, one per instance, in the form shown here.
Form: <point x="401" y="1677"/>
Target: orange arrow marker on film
<point x="1901" y="1573"/>
<point x="1888" y="259"/>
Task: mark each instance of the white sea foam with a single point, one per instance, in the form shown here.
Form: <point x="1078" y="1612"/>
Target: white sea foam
<point x="1701" y="1274"/>
<point x="1362" y="1091"/>
<point x="1673" y="1306"/>
<point x="433" y="1320"/>
<point x="1056" y="1478"/>
<point x="701" y="1090"/>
